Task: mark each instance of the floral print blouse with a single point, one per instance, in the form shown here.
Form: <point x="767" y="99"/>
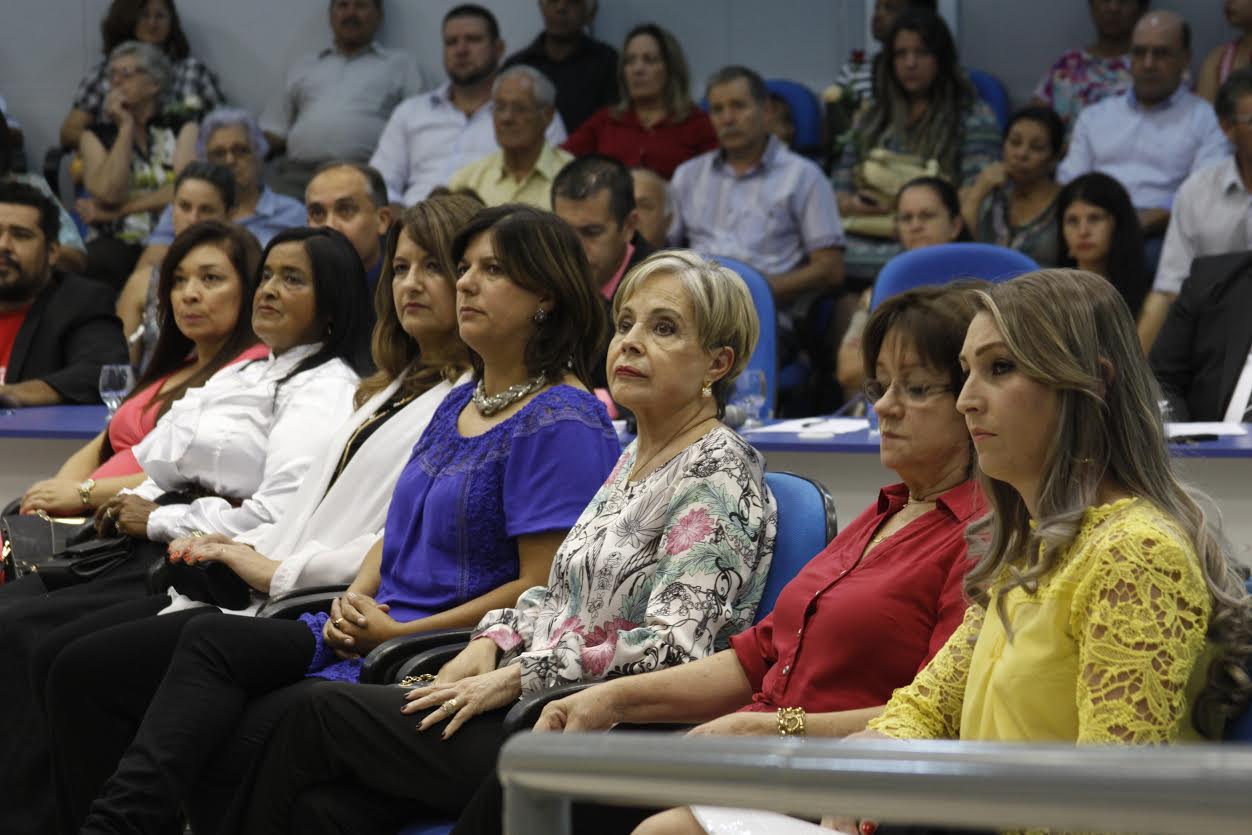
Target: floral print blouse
<point x="654" y="573"/>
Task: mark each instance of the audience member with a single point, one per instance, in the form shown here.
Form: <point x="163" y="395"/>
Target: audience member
<point x="56" y="329"/>
<point x="926" y="119"/>
<point x="856" y="76"/>
<point x="333" y="105"/>
<point x="1082" y="77"/>
<point x="1225" y="59"/>
<point x="211" y="327"/>
<point x="430" y="137"/>
<point x="654" y="123"/>
<point x="757" y="201"/>
<point x="71" y="254"/>
<point x="1104" y="609"/>
<point x="1202" y="356"/>
<point x="1013" y="203"/>
<point x="1210" y="213"/>
<point x="927" y="213"/>
<point x="193" y="90"/>
<point x="656" y="604"/>
<point x="1099" y="232"/>
<point x="870" y="610"/>
<point x="338" y="515"/>
<point x="352" y="198"/>
<point x="779" y="120"/>
<point x="522" y="169"/>
<point x="1156" y="133"/>
<point x="202" y="191"/>
<point x="513" y="458"/>
<point x="583" y="69"/>
<point x="130" y="162"/>
<point x="654" y="203"/>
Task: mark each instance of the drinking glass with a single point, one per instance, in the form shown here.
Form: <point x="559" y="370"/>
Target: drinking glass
<point x="116" y="381"/>
<point x="749" y="395"/>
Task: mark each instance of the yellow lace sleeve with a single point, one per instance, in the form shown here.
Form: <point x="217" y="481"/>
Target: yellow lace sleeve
<point x="930" y="707"/>
<point x="1139" y="616"/>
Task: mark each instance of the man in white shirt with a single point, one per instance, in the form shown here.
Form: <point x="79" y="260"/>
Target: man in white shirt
<point x="431" y="136"/>
<point x="1211" y="211"/>
<point x="334" y="104"/>
<point x="1156" y="133"/>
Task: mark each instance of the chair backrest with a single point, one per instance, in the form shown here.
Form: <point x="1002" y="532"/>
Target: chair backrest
<point x="991" y="90"/>
<point x="765" y="357"/>
<point x="946" y="262"/>
<point x="806" y="524"/>
<point x="1240" y="729"/>
<point x="806" y="112"/>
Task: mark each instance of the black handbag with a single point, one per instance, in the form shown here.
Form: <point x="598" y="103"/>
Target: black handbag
<point x="31" y="540"/>
<point x="85" y="561"/>
<point x="211" y="582"/>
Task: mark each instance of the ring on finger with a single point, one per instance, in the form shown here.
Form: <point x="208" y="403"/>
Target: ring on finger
<point x="338" y="622"/>
<point x="108" y="514"/>
<point x="450" y="706"/>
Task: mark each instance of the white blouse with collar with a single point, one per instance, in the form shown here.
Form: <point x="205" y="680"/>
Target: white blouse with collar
<point x="238" y="436"/>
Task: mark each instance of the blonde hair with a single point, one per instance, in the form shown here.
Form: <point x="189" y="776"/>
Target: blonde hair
<point x="724" y="312"/>
<point x="431" y="225"/>
<point x="1072" y="331"/>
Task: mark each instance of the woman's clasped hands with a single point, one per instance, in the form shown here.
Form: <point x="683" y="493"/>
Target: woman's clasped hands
<point x="466" y="686"/>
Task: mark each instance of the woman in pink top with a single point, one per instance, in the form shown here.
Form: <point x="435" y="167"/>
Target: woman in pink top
<point x="1228" y="57"/>
<point x="655" y="125"/>
<point x="207" y="282"/>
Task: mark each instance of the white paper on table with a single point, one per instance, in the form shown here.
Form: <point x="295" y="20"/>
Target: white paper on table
<point x="812" y="426"/>
<point x="1221" y="430"/>
<point x="720" y="820"/>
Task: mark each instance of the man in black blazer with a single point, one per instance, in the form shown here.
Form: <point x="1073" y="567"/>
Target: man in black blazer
<point x="1202" y="349"/>
<point x="56" y="330"/>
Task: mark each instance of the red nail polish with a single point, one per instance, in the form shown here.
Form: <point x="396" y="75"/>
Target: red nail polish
<point x="868" y="827"/>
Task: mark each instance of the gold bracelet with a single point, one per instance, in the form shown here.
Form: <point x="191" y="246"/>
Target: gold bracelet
<point x="791" y="721"/>
<point x="84" y="491"/>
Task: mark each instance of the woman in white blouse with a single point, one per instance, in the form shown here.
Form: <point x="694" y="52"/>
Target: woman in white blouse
<point x="667" y="561"/>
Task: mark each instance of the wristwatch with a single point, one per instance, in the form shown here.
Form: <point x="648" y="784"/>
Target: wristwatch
<point x="84" y="491"/>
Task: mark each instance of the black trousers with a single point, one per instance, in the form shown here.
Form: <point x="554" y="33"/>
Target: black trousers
<point x="28" y="614"/>
<point x="229" y="678"/>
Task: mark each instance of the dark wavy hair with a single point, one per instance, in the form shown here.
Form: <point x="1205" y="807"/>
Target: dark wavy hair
<point x="1051" y="122"/>
<point x="122" y="18"/>
<point x="540" y="252"/>
<point x="172" y="346"/>
<point x="1127" y="267"/>
<point x="341" y="294"/>
<point x="947" y="195"/>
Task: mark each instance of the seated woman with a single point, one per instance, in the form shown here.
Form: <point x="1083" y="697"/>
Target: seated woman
<point x="926" y="114"/>
<point x="1224" y="59"/>
<point x="927" y="213"/>
<point x="202" y="191"/>
<point x="868" y="612"/>
<point x="209" y="328"/>
<point x="1100" y="233"/>
<point x="129" y="163"/>
<point x="499" y="476"/>
<point x="195" y="89"/>
<point x="655" y="125"/>
<point x="336" y="517"/>
<point x="1013" y="203"/>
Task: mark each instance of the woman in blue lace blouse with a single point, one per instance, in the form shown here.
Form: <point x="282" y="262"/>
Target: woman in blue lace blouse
<point x="665" y="564"/>
<point x="505" y="467"/>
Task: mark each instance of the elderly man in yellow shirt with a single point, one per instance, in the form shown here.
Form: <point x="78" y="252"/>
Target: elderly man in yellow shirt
<point x="522" y="170"/>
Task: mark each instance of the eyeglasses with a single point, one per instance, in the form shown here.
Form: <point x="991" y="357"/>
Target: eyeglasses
<point x="224" y="154"/>
<point x="513" y="108"/>
<point x="875" y="390"/>
<point x="124" y="73"/>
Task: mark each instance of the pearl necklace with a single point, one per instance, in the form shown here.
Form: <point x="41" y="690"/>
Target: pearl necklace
<point x="489" y="404"/>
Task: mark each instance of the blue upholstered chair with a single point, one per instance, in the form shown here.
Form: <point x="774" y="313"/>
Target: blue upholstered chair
<point x="991" y="90"/>
<point x="765" y="357"/>
<point x="806" y="114"/>
<point x="946" y="262"/>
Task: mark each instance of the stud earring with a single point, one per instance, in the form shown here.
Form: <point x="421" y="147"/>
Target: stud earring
<point x="540" y="316"/>
<point x="707" y="389"/>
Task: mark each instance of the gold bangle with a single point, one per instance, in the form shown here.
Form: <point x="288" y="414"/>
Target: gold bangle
<point x="791" y="721"/>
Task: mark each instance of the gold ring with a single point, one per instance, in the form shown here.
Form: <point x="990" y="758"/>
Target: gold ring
<point x="450" y="705"/>
<point x="337" y="622"/>
<point x="108" y="514"/>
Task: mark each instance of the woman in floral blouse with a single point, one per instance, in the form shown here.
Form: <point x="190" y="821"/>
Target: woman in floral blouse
<point x="665" y="564"/>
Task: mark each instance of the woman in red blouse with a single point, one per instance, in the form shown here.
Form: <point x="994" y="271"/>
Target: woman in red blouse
<point x="868" y="612"/>
<point x="655" y="125"/>
<point x="205" y="299"/>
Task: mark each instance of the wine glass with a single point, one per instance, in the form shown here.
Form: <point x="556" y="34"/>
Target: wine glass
<point x="116" y="381"/>
<point x="749" y="395"/>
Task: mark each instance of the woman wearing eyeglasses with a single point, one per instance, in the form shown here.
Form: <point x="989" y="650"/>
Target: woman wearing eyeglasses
<point x="868" y="612"/>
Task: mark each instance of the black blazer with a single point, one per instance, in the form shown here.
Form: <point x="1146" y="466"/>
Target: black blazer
<point x="1202" y="347"/>
<point x="69" y="333"/>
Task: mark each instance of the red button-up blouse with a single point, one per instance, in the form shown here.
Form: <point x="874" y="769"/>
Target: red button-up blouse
<point x="847" y="631"/>
<point x="662" y="147"/>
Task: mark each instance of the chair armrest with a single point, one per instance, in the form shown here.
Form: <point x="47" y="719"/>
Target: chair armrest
<point x="382" y="665"/>
<point x="301" y="602"/>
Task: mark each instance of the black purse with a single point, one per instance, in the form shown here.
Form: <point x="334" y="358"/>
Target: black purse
<point x="211" y="582"/>
<point x="63" y="552"/>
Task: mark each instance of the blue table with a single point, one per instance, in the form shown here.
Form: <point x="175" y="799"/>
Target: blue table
<point x="34" y="443"/>
<point x="80" y="423"/>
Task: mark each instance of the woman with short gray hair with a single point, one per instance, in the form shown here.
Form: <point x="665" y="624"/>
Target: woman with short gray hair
<point x="130" y="162"/>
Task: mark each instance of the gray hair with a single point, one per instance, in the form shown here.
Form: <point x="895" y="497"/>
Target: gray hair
<point x="541" y="87"/>
<point x="151" y="59"/>
<point x="226" y="117"/>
